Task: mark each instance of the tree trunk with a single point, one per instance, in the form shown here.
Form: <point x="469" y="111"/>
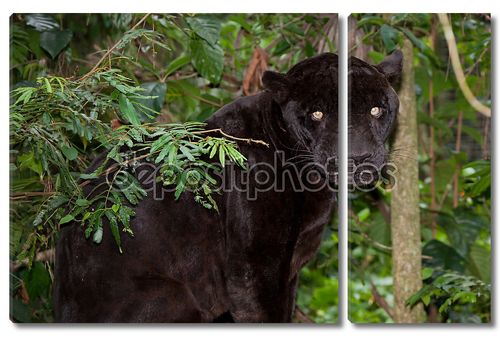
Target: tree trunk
<point x="405" y="215"/>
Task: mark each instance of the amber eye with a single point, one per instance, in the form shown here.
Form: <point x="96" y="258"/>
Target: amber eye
<point x="376" y="112"/>
<point x="317" y="115"/>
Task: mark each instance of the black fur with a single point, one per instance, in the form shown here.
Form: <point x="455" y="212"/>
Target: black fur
<point x="189" y="264"/>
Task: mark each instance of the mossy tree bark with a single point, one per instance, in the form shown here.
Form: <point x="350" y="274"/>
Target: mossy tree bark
<point x="405" y="215"/>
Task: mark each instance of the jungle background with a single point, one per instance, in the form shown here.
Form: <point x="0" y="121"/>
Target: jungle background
<point x="452" y="254"/>
<point x="74" y="78"/>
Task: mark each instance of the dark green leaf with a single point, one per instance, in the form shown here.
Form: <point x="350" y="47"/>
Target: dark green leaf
<point x="157" y="89"/>
<point x="206" y="27"/>
<point x="443" y="256"/>
<point x="281" y="47"/>
<point x="207" y="59"/>
<point x="37" y="281"/>
<point x="53" y="42"/>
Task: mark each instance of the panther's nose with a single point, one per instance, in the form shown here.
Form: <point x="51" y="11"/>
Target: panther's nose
<point x="358" y="159"/>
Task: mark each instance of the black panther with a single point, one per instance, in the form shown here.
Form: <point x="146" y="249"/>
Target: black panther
<point x="373" y="107"/>
<point x="190" y="264"/>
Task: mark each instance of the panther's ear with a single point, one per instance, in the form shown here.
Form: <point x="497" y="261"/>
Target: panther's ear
<point x="278" y="84"/>
<point x="391" y="67"/>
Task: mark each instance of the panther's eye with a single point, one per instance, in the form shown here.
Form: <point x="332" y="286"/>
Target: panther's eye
<point x="317" y="115"/>
<point x="376" y="112"/>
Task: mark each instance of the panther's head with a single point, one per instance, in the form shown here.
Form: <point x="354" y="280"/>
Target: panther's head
<point x="372" y="109"/>
<point x="307" y="100"/>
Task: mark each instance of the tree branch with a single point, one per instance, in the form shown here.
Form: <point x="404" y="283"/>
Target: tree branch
<point x="381" y="301"/>
<point x="457" y="67"/>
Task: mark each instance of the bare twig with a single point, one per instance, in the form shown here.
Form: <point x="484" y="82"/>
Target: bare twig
<point x="457" y="67"/>
<point x="219" y="130"/>
<point x="381" y="301"/>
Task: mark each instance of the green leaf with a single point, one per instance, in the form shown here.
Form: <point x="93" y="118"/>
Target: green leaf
<point x="222" y="155"/>
<point x="81" y="202"/>
<point x="86" y="215"/>
<point x="176" y="64"/>
<point x="419" y="294"/>
<point x="389" y="37"/>
<point x="164" y="152"/>
<point x="66" y="219"/>
<point x="206" y="27"/>
<point x="179" y="189"/>
<point x="115" y="207"/>
<point x="70" y="152"/>
<point x="281" y="47"/>
<point x="28" y="160"/>
<point x="480" y="262"/>
<point x="426" y="299"/>
<point x="423" y="47"/>
<point x="37" y="280"/>
<point x="462" y="227"/>
<point x="187" y="153"/>
<point x="293" y="28"/>
<point x="89" y="176"/>
<point x="135" y="134"/>
<point x="426" y="273"/>
<point x="128" y="110"/>
<point x="364" y="214"/>
<point x="443" y="256"/>
<point x="88" y="232"/>
<point x="48" y="87"/>
<point x="53" y="42"/>
<point x="97" y="238"/>
<point x="241" y="19"/>
<point x="208" y="60"/>
<point x="214" y="150"/>
<point x="113" y="224"/>
<point x="156" y="89"/>
<point x="371" y="20"/>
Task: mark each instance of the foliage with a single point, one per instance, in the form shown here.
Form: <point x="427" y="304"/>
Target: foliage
<point x="455" y="291"/>
<point x="154" y="73"/>
<point x="456" y="237"/>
